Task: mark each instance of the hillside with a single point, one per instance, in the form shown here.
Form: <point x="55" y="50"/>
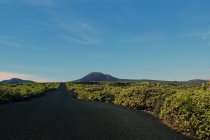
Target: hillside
<point x="196" y="81"/>
<point x="97" y="77"/>
<point x="101" y="77"/>
<point x="15" y="81"/>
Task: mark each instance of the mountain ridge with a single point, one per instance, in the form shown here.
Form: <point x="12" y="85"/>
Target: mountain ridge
<point x="16" y="81"/>
<point x="101" y="77"/>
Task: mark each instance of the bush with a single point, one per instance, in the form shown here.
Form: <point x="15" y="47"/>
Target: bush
<point x="22" y="92"/>
<point x="184" y="106"/>
<point x="189" y="112"/>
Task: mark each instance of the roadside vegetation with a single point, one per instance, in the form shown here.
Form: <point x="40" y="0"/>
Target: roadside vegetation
<point x="184" y="107"/>
<point x="22" y="92"/>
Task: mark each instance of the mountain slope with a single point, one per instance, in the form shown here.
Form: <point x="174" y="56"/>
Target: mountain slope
<point x="15" y="81"/>
<point x="96" y="77"/>
<point x="100" y="77"/>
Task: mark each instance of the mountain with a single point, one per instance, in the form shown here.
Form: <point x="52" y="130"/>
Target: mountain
<point x="96" y="77"/>
<point x="15" y="81"/>
<point x="100" y="77"/>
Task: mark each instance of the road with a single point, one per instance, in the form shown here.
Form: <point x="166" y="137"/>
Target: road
<point x="58" y="116"/>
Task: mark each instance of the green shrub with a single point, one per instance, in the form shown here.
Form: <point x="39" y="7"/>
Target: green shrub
<point x="19" y="92"/>
<point x="189" y="112"/>
<point x="184" y="106"/>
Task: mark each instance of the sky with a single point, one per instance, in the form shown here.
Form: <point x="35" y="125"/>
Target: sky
<point x="63" y="40"/>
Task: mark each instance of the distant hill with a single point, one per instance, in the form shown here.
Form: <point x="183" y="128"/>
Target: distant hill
<point x="15" y="81"/>
<point x="196" y="81"/>
<point x="97" y="77"/>
<point x="100" y="77"/>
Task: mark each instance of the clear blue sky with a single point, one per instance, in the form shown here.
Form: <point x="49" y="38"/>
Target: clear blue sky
<point x="62" y="40"/>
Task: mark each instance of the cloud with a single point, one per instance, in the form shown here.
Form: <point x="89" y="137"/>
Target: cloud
<point x="40" y="2"/>
<point x="9" y="75"/>
<point x="80" y="40"/>
<point x="205" y="35"/>
<point x="79" y="32"/>
<point x="8" y="41"/>
<point x="144" y="38"/>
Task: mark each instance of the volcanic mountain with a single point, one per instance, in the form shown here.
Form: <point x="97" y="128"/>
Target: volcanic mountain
<point x="15" y="81"/>
<point x="97" y="77"/>
<point x="100" y="77"/>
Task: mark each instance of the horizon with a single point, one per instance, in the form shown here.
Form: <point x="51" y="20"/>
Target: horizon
<point x="10" y="78"/>
<point x="61" y="40"/>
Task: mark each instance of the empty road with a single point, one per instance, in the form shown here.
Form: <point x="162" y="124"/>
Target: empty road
<point x="58" y="116"/>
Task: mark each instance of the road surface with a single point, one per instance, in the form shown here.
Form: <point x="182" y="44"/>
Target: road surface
<point x="58" y="116"/>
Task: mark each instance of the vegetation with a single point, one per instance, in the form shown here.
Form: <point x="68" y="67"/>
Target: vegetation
<point x="22" y="92"/>
<point x="189" y="111"/>
<point x="184" y="106"/>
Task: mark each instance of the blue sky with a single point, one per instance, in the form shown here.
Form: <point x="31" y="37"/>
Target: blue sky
<point x="62" y="40"/>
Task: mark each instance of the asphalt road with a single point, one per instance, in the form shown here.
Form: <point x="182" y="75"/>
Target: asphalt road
<point x="58" y="116"/>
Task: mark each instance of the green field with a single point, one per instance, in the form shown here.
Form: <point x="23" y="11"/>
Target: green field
<point x="182" y="106"/>
<point x="22" y="92"/>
